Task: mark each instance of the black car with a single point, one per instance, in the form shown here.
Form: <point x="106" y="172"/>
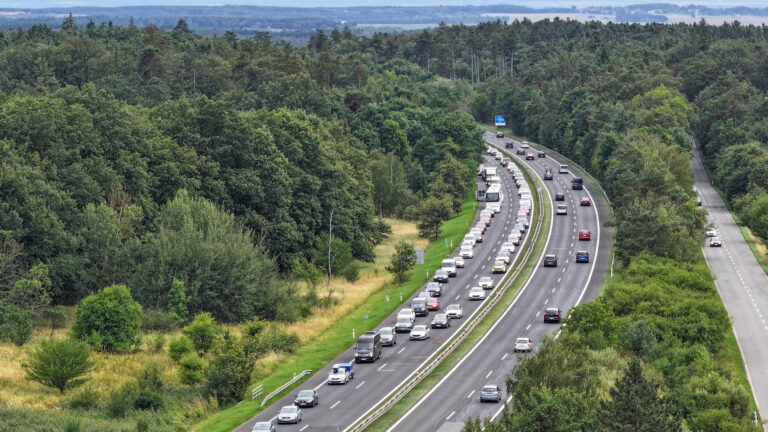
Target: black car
<point x="548" y="175"/>
<point x="499" y="135"/>
<point x="541" y="154"/>
<point x="550" y="261"/>
<point x="552" y="315"/>
<point x="559" y="196"/>
<point x="419" y="307"/>
<point x="441" y="321"/>
<point x="306" y="398"/>
<point x="521" y="151"/>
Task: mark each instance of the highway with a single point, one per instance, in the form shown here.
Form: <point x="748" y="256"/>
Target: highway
<point x="456" y="398"/>
<point x="342" y="405"/>
<point x="741" y="283"/>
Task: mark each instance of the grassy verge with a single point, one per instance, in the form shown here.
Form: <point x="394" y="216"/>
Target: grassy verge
<point x="731" y="355"/>
<point x="385" y="421"/>
<point x="756" y="245"/>
<point x="329" y="344"/>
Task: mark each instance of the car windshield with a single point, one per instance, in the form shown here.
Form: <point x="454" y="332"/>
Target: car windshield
<point x="454" y="307"/>
<point x="418" y="302"/>
<point x="522" y="341"/>
<point x="261" y="426"/>
<point x="498" y="263"/>
<point x="289" y="410"/>
<point x="403" y="320"/>
<point x="489" y="389"/>
<point x="306" y="393"/>
<point x="485" y="279"/>
<point x="386" y="331"/>
<point x="365" y="345"/>
<point x="419" y="328"/>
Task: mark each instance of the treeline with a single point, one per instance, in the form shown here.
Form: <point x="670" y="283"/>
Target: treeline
<point x="652" y="353"/>
<point x="139" y="156"/>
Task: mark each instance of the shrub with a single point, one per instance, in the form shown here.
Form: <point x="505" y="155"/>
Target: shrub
<point x="55" y="317"/>
<point x="352" y="271"/>
<point x="157" y="344"/>
<point x="142" y="425"/>
<point x="73" y="425"/>
<point x="87" y="399"/>
<point x="178" y="347"/>
<point x="151" y="377"/>
<point x="190" y="369"/>
<point x="146" y="399"/>
<point x="15" y="324"/>
<point x="59" y="363"/>
<point x="177" y="300"/>
<point x="110" y="317"/>
<point x="202" y="332"/>
<point x="121" y="400"/>
<point x="158" y="320"/>
<point x="229" y="371"/>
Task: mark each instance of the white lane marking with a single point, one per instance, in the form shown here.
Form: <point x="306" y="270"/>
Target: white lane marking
<point x="470" y="394"/>
<point x="381" y="367"/>
<point x="538" y="313"/>
<point x="509" y="398"/>
<point x="553" y="289"/>
<point x="450" y="415"/>
<point x="457" y="296"/>
<point x="360" y="385"/>
<point x="504" y="356"/>
<point x="489" y="373"/>
<point x="334" y="405"/>
<point x="305" y="426"/>
<point x="546" y="301"/>
<point x="320" y="385"/>
<point x="558" y="280"/>
<point x="527" y="327"/>
<point x="401" y="350"/>
<point x="475" y="277"/>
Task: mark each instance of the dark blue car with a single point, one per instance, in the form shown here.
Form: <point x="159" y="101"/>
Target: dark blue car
<point x="582" y="257"/>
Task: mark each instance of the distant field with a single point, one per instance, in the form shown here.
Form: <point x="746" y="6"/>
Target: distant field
<point x="577" y="16"/>
<point x="581" y="16"/>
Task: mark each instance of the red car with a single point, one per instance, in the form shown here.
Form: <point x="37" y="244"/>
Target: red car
<point x="433" y="304"/>
<point x="481" y="228"/>
<point x="585" y="201"/>
<point x="529" y="156"/>
<point x="585" y="235"/>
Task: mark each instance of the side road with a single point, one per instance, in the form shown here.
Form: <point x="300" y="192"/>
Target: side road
<point x="742" y="284"/>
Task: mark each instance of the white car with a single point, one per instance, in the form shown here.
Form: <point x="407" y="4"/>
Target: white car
<point x="711" y="233"/>
<point x="449" y="265"/>
<point x="524" y="144"/>
<point x="508" y="247"/>
<point x="459" y="262"/>
<point x="467" y="252"/>
<point x="454" y="311"/>
<point x="485" y="282"/>
<point x="523" y="344"/>
<point x="469" y="239"/>
<point x="523" y="221"/>
<point x="419" y="332"/>
<point x="562" y="209"/>
<point x="478" y="233"/>
<point x="503" y="257"/>
<point x="408" y="313"/>
<point x="476" y="293"/>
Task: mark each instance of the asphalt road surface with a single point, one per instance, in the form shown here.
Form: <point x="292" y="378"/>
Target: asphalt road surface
<point x="342" y="405"/>
<point x="742" y="285"/>
<point x="456" y="398"/>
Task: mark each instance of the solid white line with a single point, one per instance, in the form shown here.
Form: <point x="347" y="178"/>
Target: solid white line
<point x="320" y="385"/>
<point x="334" y="405"/>
<point x="305" y="426"/>
<point x="360" y="385"/>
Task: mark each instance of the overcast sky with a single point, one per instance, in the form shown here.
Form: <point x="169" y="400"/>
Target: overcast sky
<point x="345" y="3"/>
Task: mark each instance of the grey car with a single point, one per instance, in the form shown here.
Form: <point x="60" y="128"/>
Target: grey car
<point x="263" y="426"/>
<point x="490" y="393"/>
<point x="306" y="398"/>
<point x="289" y="414"/>
<point x="388" y="336"/>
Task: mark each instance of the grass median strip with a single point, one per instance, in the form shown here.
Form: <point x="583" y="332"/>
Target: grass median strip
<point x="319" y="352"/>
<point x="385" y="421"/>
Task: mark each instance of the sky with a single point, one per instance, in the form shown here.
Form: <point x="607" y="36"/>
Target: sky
<point x="347" y="3"/>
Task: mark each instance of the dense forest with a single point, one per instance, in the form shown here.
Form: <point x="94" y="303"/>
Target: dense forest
<point x="196" y="175"/>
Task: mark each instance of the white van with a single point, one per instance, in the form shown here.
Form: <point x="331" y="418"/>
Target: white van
<point x="449" y="265"/>
<point x="563" y="169"/>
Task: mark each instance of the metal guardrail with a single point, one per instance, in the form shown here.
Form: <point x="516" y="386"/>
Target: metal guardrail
<point x="406" y="387"/>
<point x="256" y="392"/>
<point x="284" y="386"/>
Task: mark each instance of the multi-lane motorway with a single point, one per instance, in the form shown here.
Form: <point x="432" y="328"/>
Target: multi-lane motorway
<point x="342" y="405"/>
<point x="741" y="283"/>
<point x="455" y="399"/>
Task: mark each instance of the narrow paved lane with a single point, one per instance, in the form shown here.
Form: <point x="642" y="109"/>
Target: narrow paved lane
<point x="742" y="285"/>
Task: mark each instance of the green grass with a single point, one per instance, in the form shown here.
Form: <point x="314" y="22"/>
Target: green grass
<point x="391" y="416"/>
<point x="323" y="349"/>
<point x="731" y="354"/>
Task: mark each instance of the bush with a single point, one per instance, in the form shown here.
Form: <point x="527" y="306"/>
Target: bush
<point x="87" y="399"/>
<point x="151" y="377"/>
<point x="190" y="369"/>
<point x="73" y="425"/>
<point x="178" y="347"/>
<point x="15" y="324"/>
<point x="157" y="344"/>
<point x="142" y="425"/>
<point x="55" y="317"/>
<point x="110" y="318"/>
<point x="229" y="372"/>
<point x="59" y="363"/>
<point x="146" y="399"/>
<point x="202" y="332"/>
<point x="121" y="400"/>
<point x="158" y="320"/>
<point x="352" y="271"/>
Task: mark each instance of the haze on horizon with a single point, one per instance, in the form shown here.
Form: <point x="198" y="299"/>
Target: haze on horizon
<point x="40" y="4"/>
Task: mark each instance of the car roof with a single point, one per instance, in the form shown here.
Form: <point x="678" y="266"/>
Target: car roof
<point x="550" y="256"/>
<point x="553" y="309"/>
<point x="454" y="306"/>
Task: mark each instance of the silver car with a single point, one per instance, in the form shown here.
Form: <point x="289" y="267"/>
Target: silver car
<point x="476" y="293"/>
<point x="454" y="311"/>
<point x="289" y="414"/>
<point x="485" y="282"/>
<point x="263" y="426"/>
<point x="419" y="332"/>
